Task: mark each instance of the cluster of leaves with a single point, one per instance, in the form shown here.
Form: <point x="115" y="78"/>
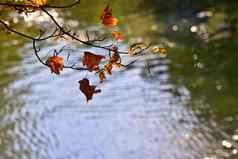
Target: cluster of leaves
<point x="91" y="62"/>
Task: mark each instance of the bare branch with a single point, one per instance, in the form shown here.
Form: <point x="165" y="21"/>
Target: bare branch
<point x="36" y="51"/>
<point x="88" y="43"/>
<point x="16" y="32"/>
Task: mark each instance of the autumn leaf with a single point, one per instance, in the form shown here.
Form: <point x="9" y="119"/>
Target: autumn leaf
<point x="160" y="51"/>
<point x="108" y="68"/>
<point x="91" y="61"/>
<point x="117" y="36"/>
<point x="110" y="21"/>
<point x="115" y="59"/>
<point x="107" y="19"/>
<point x="115" y="56"/>
<point x="136" y="49"/>
<point x="38" y="2"/>
<point x="87" y="89"/>
<point x="101" y="76"/>
<point x="56" y="64"/>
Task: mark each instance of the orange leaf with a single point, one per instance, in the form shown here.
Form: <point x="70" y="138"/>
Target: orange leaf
<point x="101" y="76"/>
<point x="56" y="64"/>
<point x="108" y="68"/>
<point x="117" y="36"/>
<point x="107" y="18"/>
<point x="87" y="89"/>
<point x="91" y="61"/>
<point x="110" y="21"/>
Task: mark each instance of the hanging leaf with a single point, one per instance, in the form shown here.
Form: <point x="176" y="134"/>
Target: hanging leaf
<point x="108" y="68"/>
<point x="114" y="61"/>
<point x="56" y="64"/>
<point x="91" y="61"/>
<point x="117" y="36"/>
<point x="115" y="56"/>
<point x="87" y="89"/>
<point x="160" y="51"/>
<point x="107" y="19"/>
<point x="101" y="76"/>
<point x="137" y="49"/>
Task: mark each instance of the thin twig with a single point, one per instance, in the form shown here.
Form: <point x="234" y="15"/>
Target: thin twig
<point x="16" y="32"/>
<point x="36" y="53"/>
<point x="6" y="26"/>
<point x="88" y="43"/>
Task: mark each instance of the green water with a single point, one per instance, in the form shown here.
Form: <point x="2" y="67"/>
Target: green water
<point x="186" y="108"/>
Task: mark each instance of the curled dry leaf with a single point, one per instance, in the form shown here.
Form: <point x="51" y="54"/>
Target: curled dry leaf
<point x="91" y="61"/>
<point x="101" y="76"/>
<point x="159" y="50"/>
<point x="56" y="64"/>
<point x="114" y="61"/>
<point x="117" y="36"/>
<point x="107" y="19"/>
<point x="108" y="68"/>
<point x="136" y="49"/>
<point x="115" y="57"/>
<point x="87" y="89"/>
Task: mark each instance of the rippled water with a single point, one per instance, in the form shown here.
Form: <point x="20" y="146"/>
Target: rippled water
<point x="133" y="117"/>
<point x="172" y="113"/>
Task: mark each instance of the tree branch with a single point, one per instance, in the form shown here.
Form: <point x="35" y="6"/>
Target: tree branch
<point x="62" y="31"/>
<point x="88" y="43"/>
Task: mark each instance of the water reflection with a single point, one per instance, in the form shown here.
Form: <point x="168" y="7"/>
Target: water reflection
<point x="186" y="107"/>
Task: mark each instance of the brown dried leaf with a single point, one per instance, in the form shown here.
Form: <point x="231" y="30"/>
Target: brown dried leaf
<point x="91" y="61"/>
<point x="107" y="18"/>
<point x="87" y="89"/>
<point x="108" y="68"/>
<point x="56" y="64"/>
<point x="101" y="76"/>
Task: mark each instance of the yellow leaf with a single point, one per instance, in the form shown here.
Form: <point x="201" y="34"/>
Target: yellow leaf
<point x="160" y="51"/>
<point x="136" y="49"/>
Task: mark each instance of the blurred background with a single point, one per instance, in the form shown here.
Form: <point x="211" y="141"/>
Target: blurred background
<point x="185" y="108"/>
